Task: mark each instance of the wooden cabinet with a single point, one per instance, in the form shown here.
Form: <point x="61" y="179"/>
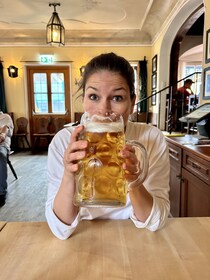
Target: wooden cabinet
<point x="196" y="165"/>
<point x="175" y="153"/>
<point x="189" y="179"/>
<point x="195" y="196"/>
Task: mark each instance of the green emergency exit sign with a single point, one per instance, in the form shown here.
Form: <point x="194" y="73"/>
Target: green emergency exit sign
<point x="46" y="58"/>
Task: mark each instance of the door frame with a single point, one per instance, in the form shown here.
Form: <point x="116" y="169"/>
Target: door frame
<point x="31" y="116"/>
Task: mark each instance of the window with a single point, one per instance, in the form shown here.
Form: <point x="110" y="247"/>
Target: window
<point x="57" y="93"/>
<point x="40" y="93"/>
<point x="48" y="89"/>
<point x="55" y="96"/>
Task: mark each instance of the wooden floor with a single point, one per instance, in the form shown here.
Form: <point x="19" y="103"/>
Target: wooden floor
<point x="27" y="195"/>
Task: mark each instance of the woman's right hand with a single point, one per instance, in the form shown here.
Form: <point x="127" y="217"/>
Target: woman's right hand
<point x="75" y="151"/>
<point x="63" y="206"/>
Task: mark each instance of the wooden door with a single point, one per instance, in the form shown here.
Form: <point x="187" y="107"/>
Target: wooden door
<point x="48" y="94"/>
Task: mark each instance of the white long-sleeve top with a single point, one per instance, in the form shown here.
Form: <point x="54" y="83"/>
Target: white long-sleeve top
<point x="157" y="182"/>
<point x="5" y="119"/>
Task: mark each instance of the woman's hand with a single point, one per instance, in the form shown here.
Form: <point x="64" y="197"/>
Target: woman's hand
<point x="75" y="151"/>
<point x="131" y="163"/>
<point x="64" y="207"/>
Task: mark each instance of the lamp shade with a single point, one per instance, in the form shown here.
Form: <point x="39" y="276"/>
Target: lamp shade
<point x="55" y="29"/>
<point x="12" y="71"/>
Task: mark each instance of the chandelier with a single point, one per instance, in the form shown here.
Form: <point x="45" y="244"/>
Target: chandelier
<point x="55" y="29"/>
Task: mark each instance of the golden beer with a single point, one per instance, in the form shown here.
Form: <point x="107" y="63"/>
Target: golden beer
<point x="101" y="181"/>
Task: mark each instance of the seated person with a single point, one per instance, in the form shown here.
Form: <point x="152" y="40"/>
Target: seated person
<point x="6" y="130"/>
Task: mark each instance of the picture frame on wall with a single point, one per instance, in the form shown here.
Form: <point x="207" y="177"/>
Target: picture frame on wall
<point x="154" y="64"/>
<point x="154" y="81"/>
<point x="208" y="46"/>
<point x="206" y="83"/>
<point x="153" y="98"/>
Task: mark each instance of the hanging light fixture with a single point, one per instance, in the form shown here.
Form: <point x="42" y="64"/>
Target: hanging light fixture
<point x="55" y="29"/>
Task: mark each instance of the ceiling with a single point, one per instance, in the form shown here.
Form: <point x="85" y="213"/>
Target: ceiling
<point x="194" y="54"/>
<point x="89" y="22"/>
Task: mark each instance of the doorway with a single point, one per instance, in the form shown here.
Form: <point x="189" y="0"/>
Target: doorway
<point x="165" y="53"/>
<point x="48" y="96"/>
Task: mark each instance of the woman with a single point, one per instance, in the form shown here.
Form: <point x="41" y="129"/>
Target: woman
<point x="108" y="87"/>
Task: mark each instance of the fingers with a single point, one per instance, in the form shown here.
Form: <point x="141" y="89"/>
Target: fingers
<point x="76" y="133"/>
<point x="129" y="156"/>
<point x="129" y="152"/>
<point x="131" y="163"/>
<point x="75" y="151"/>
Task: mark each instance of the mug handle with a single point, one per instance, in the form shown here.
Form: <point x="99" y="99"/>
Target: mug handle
<point x="144" y="164"/>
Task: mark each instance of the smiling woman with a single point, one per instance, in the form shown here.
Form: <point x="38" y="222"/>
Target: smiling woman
<point x="108" y="89"/>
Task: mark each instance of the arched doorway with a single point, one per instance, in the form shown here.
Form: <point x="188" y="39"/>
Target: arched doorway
<point x="165" y="51"/>
<point x="192" y="26"/>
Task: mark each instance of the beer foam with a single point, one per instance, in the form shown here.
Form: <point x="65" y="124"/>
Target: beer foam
<point x="104" y="127"/>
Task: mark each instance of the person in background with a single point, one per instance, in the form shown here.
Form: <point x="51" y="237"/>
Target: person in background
<point x="6" y="131"/>
<point x="186" y="88"/>
<point x="108" y="87"/>
<point x="183" y="107"/>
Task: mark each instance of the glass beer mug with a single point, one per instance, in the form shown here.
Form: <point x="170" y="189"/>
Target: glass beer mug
<point x="100" y="180"/>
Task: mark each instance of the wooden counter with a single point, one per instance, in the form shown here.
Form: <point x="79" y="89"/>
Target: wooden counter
<point x="186" y="143"/>
<point x="107" y="249"/>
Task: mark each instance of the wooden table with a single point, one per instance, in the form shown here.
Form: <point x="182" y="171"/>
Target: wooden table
<point x="2" y="225"/>
<point x="107" y="249"/>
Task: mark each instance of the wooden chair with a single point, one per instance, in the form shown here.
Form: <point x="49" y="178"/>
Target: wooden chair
<point x="21" y="133"/>
<point x="140" y="117"/>
<point x="10" y="164"/>
<point x="77" y="116"/>
<point x="41" y="131"/>
<point x="58" y="124"/>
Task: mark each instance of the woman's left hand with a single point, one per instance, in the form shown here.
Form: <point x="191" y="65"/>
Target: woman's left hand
<point x="131" y="163"/>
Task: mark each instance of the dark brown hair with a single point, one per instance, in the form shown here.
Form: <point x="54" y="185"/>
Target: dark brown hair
<point x="113" y="63"/>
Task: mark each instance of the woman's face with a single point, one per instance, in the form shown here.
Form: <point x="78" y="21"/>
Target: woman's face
<point x="107" y="92"/>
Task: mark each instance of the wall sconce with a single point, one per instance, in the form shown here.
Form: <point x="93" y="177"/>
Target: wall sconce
<point x="55" y="29"/>
<point x="82" y="70"/>
<point x="79" y="81"/>
<point x="12" y="71"/>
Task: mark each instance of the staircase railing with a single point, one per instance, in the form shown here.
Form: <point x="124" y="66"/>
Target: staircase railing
<point x="169" y="119"/>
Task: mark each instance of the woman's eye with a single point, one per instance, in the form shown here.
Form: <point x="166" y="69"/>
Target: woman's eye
<point x="117" y="98"/>
<point x="93" y="97"/>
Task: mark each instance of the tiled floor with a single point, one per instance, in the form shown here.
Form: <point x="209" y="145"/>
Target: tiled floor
<point x="27" y="195"/>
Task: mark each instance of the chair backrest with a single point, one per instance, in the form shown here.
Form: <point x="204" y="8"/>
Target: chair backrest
<point x="22" y="124"/>
<point x="58" y="123"/>
<point x="139" y="117"/>
<point x="42" y="124"/>
<point x="77" y="116"/>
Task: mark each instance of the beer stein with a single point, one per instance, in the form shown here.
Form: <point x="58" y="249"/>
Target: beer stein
<point x="101" y="178"/>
